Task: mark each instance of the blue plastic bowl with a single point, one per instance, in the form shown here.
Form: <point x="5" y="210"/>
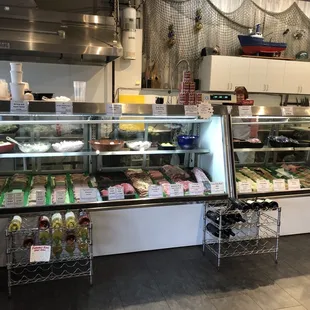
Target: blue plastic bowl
<point x="188" y="142"/>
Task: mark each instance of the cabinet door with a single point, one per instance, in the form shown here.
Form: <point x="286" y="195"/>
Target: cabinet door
<point x="239" y="72"/>
<point x="257" y="75"/>
<point x="305" y="78"/>
<point x="274" y="77"/>
<point x="220" y="78"/>
<point x="292" y="79"/>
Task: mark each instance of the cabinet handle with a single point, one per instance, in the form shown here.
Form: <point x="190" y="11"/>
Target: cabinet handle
<point x="228" y="86"/>
<point x="267" y="86"/>
<point x="231" y="86"/>
<point x="300" y="89"/>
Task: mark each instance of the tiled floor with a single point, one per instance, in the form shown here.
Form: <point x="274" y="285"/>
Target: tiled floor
<point x="178" y="279"/>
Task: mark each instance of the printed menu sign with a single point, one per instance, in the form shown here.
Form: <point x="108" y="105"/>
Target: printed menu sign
<point x="19" y="106"/>
<point x="263" y="186"/>
<point x="196" y="189"/>
<point x="245" y="187"/>
<point x="279" y="185"/>
<point x="40" y="253"/>
<point x="155" y="191"/>
<point x="116" y="193"/>
<point x="88" y="195"/>
<point x="191" y="110"/>
<point x="64" y="108"/>
<point x="287" y="111"/>
<point x="159" y="109"/>
<point x="14" y="200"/>
<point x="114" y="109"/>
<point x="293" y="184"/>
<point x="217" y="187"/>
<point x="176" y="190"/>
<point x="245" y="110"/>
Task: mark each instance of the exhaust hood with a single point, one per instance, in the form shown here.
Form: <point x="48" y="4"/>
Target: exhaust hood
<point x="57" y="37"/>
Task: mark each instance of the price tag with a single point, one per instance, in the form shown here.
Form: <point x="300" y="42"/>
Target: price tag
<point x="263" y="186"/>
<point x="40" y="198"/>
<point x="116" y="193"/>
<point x="205" y="110"/>
<point x="287" y="111"/>
<point x="88" y="195"/>
<point x="60" y="197"/>
<point x="155" y="191"/>
<point x="293" y="184"/>
<point x="279" y="185"/>
<point x="217" y="187"/>
<point x="196" y="189"/>
<point x="245" y="110"/>
<point x="159" y="109"/>
<point x="176" y="190"/>
<point x="40" y="253"/>
<point x="9" y="200"/>
<point x="19" y="106"/>
<point x="245" y="187"/>
<point x="191" y="110"/>
<point x="114" y="109"/>
<point x="64" y="107"/>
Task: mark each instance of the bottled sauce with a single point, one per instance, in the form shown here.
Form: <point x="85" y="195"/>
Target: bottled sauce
<point x="16" y="223"/>
<point x="28" y="240"/>
<point x="57" y="221"/>
<point x="70" y="220"/>
<point x="83" y="218"/>
<point x="215" y="231"/>
<point x="44" y="222"/>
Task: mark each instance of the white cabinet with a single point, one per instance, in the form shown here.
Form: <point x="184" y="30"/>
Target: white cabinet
<point x="239" y="72"/>
<point x="274" y="75"/>
<point x="292" y="77"/>
<point x="257" y="75"/>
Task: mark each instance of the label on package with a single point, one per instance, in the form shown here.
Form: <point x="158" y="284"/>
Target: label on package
<point x="116" y="193"/>
<point x="245" y="110"/>
<point x="191" y="110"/>
<point x="279" y="185"/>
<point x="113" y="109"/>
<point x="155" y="191"/>
<point x="19" y="106"/>
<point x="263" y="186"/>
<point x="293" y="184"/>
<point x="40" y="198"/>
<point x="60" y="197"/>
<point x="159" y="109"/>
<point x="245" y="187"/>
<point x="64" y="108"/>
<point x="176" y="190"/>
<point x="217" y="187"/>
<point x="287" y="111"/>
<point x="40" y="253"/>
<point x="13" y="200"/>
<point x="196" y="189"/>
<point x="88" y="195"/>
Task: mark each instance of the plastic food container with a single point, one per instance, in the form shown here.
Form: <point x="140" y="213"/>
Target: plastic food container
<point x="36" y="147"/>
<point x="139" y="145"/>
<point x="188" y="142"/>
<point x="68" y="146"/>
<point x="106" y="145"/>
<point x="6" y="147"/>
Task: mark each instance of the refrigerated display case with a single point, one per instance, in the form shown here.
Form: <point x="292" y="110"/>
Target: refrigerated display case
<point x="276" y="162"/>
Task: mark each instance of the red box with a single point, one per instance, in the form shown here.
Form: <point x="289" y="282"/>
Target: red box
<point x="185" y="86"/>
<point x="187" y="76"/>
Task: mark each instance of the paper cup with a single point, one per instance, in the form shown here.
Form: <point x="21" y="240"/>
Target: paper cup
<point x="16" y="66"/>
<point x="16" y="76"/>
<point x="17" y="91"/>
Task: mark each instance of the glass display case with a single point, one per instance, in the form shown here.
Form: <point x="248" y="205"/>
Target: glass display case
<point x="98" y="160"/>
<point x="271" y="151"/>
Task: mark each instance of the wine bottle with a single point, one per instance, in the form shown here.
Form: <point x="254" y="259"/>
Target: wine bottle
<point x="215" y="231"/>
<point x="28" y="240"/>
<point x="264" y="204"/>
<point x="236" y="217"/>
<point x="70" y="220"/>
<point x="83" y="247"/>
<point x="273" y="205"/>
<point x="16" y="223"/>
<point x="44" y="222"/>
<point x="237" y="204"/>
<point x="57" y="221"/>
<point x="253" y="205"/>
<point x="57" y="250"/>
<point x="215" y="217"/>
<point x="70" y="241"/>
<point x="229" y="232"/>
<point x="83" y="218"/>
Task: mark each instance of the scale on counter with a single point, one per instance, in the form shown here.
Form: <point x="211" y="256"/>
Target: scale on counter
<point x="220" y="98"/>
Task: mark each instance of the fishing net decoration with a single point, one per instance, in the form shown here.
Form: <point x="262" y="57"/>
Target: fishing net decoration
<point x="219" y="28"/>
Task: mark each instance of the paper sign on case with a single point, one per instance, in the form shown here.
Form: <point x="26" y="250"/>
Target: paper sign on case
<point x="279" y="185"/>
<point x="116" y="193"/>
<point x="196" y="189"/>
<point x="40" y="253"/>
<point x="88" y="195"/>
<point x="245" y="110"/>
<point x="287" y="111"/>
<point x="65" y="108"/>
<point x="245" y="187"/>
<point x="263" y="186"/>
<point x="155" y="191"/>
<point x="19" y="106"/>
<point x="217" y="187"/>
<point x="159" y="109"/>
<point x="176" y="190"/>
<point x="114" y="109"/>
<point x="191" y="110"/>
<point x="293" y="184"/>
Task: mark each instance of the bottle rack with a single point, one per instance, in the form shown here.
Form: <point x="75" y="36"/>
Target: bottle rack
<point x="259" y="234"/>
<point x="67" y="264"/>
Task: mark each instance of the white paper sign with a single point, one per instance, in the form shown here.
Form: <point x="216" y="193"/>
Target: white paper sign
<point x="263" y="186"/>
<point x="205" y="110"/>
<point x="176" y="190"/>
<point x="293" y="184"/>
<point x="19" y="106"/>
<point x="14" y="200"/>
<point x="287" y="111"/>
<point x="88" y="195"/>
<point x="191" y="110"/>
<point x="155" y="191"/>
<point x="40" y="253"/>
<point x="196" y="189"/>
<point x="60" y="197"/>
<point x="114" y="109"/>
<point x="279" y="185"/>
<point x="40" y="198"/>
<point x="116" y="193"/>
<point x="245" y="187"/>
<point x="217" y="187"/>
<point x="159" y="109"/>
<point x="64" y="108"/>
<point x="245" y="110"/>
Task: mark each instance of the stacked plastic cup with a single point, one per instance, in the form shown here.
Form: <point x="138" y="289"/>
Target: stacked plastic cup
<point x="17" y="86"/>
<point x="79" y="91"/>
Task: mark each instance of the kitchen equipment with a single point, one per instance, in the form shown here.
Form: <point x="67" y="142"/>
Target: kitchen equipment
<point x="168" y="146"/>
<point x="187" y="142"/>
<point x="33" y="147"/>
<point x="17" y="91"/>
<point x="39" y="96"/>
<point x="79" y="91"/>
<point x="139" y="145"/>
<point x="247" y="144"/>
<point x="6" y="147"/>
<point x="105" y="145"/>
<point x="68" y="146"/>
<point x="16" y="76"/>
<point x="16" y="66"/>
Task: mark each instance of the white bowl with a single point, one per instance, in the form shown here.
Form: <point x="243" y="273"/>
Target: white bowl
<point x="16" y="76"/>
<point x="139" y="145"/>
<point x="17" y="91"/>
<point x="68" y="146"/>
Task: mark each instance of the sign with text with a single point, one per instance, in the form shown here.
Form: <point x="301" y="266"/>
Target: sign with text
<point x="279" y="185"/>
<point x="40" y="198"/>
<point x="60" y="197"/>
<point x="245" y="187"/>
<point x="191" y="110"/>
<point x="176" y="190"/>
<point x="155" y="191"/>
<point x="263" y="186"/>
<point x="293" y="184"/>
<point x="116" y="193"/>
<point x="114" y="109"/>
<point x="88" y="194"/>
<point x="287" y="111"/>
<point x="245" y="110"/>
<point x="64" y="108"/>
<point x="14" y="200"/>
<point x="196" y="189"/>
<point x="40" y="253"/>
<point x="19" y="106"/>
<point x="217" y="187"/>
<point x="159" y="109"/>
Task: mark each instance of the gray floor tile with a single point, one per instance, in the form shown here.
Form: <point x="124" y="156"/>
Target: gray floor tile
<point x="238" y="302"/>
<point x="272" y="297"/>
<point x="160" y="305"/>
<point x="190" y="302"/>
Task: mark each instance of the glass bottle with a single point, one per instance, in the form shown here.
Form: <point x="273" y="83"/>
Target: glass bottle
<point x="16" y="223"/>
<point x="70" y="220"/>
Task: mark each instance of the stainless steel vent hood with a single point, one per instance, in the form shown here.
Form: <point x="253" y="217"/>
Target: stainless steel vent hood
<point x="56" y="37"/>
